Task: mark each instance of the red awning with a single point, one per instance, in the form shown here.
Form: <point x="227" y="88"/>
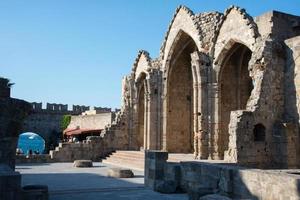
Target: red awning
<point x="80" y="131"/>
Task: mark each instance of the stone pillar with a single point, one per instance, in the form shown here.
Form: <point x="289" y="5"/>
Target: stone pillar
<point x="12" y="114"/>
<point x="154" y="167"/>
<point x="146" y="113"/>
<point x="200" y="63"/>
<point x="195" y="112"/>
<point x="130" y="108"/>
<point x="152" y="117"/>
<point x="213" y="101"/>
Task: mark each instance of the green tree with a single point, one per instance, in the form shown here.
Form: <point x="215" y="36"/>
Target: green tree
<point x="66" y="119"/>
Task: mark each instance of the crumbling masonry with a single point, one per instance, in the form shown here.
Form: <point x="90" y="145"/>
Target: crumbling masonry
<point x="225" y="86"/>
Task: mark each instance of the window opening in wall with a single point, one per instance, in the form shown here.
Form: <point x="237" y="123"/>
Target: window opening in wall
<point x="259" y="133"/>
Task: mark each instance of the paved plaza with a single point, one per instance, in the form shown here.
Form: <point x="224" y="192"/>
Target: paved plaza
<point x="66" y="182"/>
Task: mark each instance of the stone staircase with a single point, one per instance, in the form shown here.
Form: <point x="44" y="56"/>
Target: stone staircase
<point x="135" y="159"/>
<point x="126" y="159"/>
<point x="86" y="150"/>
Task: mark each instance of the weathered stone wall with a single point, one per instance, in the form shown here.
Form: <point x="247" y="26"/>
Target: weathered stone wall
<point x="227" y="180"/>
<point x="292" y="80"/>
<point x="267" y="102"/>
<point x="47" y="125"/>
<point x="97" y="121"/>
<point x="88" y="150"/>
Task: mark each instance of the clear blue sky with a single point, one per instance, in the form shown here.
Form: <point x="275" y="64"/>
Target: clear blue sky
<point x="77" y="51"/>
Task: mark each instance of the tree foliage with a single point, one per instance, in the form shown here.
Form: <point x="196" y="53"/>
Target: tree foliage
<point x="66" y="119"/>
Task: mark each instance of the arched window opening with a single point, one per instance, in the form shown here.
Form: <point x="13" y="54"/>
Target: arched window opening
<point x="259" y="133"/>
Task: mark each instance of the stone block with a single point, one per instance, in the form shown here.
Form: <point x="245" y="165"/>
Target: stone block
<point x="83" y="163"/>
<point x="156" y="174"/>
<point x="156" y="155"/>
<point x="10" y="183"/>
<point x="172" y="171"/>
<point x="195" y="193"/>
<point x="35" y="192"/>
<point x="166" y="187"/>
<point x="225" y="183"/>
<point x="120" y="173"/>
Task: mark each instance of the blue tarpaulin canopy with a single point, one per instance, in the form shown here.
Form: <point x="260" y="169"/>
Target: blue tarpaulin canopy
<point x="31" y="141"/>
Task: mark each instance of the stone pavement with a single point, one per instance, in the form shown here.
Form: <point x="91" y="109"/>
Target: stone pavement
<point x="66" y="182"/>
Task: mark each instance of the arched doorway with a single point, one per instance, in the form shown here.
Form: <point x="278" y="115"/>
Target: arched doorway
<point x="30" y="143"/>
<point x="179" y="107"/>
<point x="235" y="87"/>
<point x="141" y="138"/>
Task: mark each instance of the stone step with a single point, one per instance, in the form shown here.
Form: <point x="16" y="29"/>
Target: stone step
<point x="126" y="159"/>
<point x="130" y="152"/>
<point x="125" y="162"/>
<point x="57" y="148"/>
<point x="174" y="157"/>
<point x="136" y="155"/>
<point x="130" y="165"/>
<point x="132" y="157"/>
<point x="136" y="159"/>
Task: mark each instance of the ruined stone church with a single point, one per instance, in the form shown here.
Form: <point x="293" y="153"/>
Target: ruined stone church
<point x="224" y="87"/>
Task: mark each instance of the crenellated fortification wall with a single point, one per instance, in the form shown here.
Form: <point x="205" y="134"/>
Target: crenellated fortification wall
<point x="46" y="121"/>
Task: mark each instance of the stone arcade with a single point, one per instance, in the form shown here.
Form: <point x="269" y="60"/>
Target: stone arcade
<point x="224" y="86"/>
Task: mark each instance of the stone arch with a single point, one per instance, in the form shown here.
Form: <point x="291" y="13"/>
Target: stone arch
<point x="178" y="101"/>
<point x="141" y="111"/>
<point x="183" y="21"/>
<point x="142" y="64"/>
<point x="237" y="26"/>
<point x="223" y="55"/>
<point x="141" y="69"/>
<point x="235" y="86"/>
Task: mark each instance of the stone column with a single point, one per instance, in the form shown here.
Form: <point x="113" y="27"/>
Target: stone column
<point x="152" y="111"/>
<point x="200" y="62"/>
<point x="213" y="102"/>
<point x="130" y="108"/>
<point x="146" y="114"/>
<point x="195" y="111"/>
